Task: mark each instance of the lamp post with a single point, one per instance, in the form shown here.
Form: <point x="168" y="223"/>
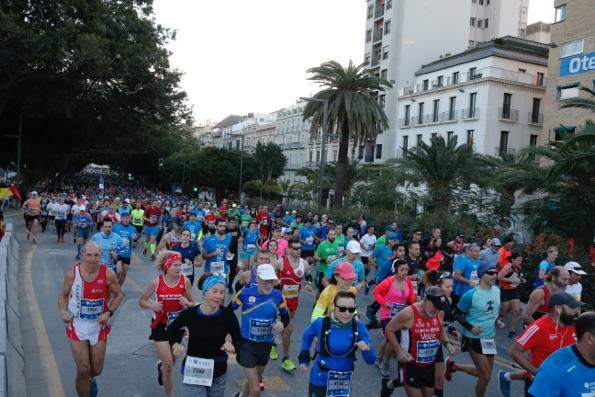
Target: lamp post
<point x="322" y="145"/>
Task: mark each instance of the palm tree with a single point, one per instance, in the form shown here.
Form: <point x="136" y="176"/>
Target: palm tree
<point x="285" y="185"/>
<point x="353" y="110"/>
<point x="442" y="167"/>
<point x="582" y="103"/>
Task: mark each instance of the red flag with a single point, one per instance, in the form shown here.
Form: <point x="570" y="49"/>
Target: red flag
<point x="15" y="191"/>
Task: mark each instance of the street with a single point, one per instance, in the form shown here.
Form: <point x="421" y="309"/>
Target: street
<point x="130" y="361"/>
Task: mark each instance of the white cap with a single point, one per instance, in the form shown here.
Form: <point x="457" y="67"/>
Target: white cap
<point x="575" y="268"/>
<point x="353" y="247"/>
<point x="82" y="208"/>
<point x="266" y="272"/>
<point x="34" y="193"/>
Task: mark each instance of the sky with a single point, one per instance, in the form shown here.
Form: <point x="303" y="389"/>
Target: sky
<point x="251" y="56"/>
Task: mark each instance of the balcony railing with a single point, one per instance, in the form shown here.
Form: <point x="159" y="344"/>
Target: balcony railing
<point x="534" y="118"/>
<point x="405" y="122"/>
<point x="377" y="36"/>
<point x="313" y="163"/>
<point x="447" y="117"/>
<point x="375" y="61"/>
<point x="379" y="10"/>
<point x="500" y="151"/>
<point x="508" y="114"/>
<point x="470" y="113"/>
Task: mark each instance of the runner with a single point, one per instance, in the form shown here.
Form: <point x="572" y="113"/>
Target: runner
<point x="545" y="266"/>
<point x="277" y="235"/>
<point x="574" y="286"/>
<point x="351" y="255"/>
<point x="326" y="253"/>
<point x="83" y="223"/>
<point x="291" y="274"/>
<point x="465" y="271"/>
<point x="110" y="244"/>
<point x="338" y="338"/>
<point x="307" y="233"/>
<point x="367" y="243"/>
<point x="215" y="249"/>
<point x="173" y="293"/>
<point x="420" y="344"/>
<point x="477" y="312"/>
<point x="44" y="212"/>
<point x="128" y="233"/>
<point x="248" y="277"/>
<point x="137" y="215"/>
<point x="445" y="283"/>
<point x="86" y="308"/>
<point x="260" y="306"/>
<point x="32" y="209"/>
<point x="60" y="212"/>
<point x="249" y="240"/>
<point x="151" y="220"/>
<point x="190" y="255"/>
<point x="537" y="304"/>
<point x="173" y="237"/>
<point x="510" y="277"/>
<point x="570" y="371"/>
<point x="543" y="337"/>
<point x="208" y="325"/>
<point x="342" y="280"/>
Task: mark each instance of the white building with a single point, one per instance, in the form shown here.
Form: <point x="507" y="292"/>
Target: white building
<point x="253" y="128"/>
<point x="292" y="134"/>
<point x="539" y="31"/>
<point x="490" y="97"/>
<point x="401" y="35"/>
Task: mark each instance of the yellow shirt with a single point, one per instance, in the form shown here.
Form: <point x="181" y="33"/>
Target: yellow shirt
<point x="324" y="305"/>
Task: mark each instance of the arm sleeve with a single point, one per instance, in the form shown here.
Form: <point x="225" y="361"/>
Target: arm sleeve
<point x="528" y="338"/>
<point x="364" y="335"/>
<point x="321" y="305"/>
<point x="381" y="289"/>
<point x="234" y="330"/>
<point x="329" y="271"/>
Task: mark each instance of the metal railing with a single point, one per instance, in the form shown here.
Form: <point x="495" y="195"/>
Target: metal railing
<point x="405" y="122"/>
<point x="534" y="118"/>
<point x="379" y="10"/>
<point x="500" y="151"/>
<point x="508" y="114"/>
<point x="377" y="36"/>
<point x="376" y="61"/>
<point x="470" y="113"/>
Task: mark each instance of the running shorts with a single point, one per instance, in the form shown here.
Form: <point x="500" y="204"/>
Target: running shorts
<point x="151" y="230"/>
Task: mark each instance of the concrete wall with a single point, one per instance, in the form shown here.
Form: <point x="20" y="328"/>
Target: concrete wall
<point x="12" y="364"/>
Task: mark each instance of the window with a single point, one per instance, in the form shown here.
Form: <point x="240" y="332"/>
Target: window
<point x="535" y="111"/>
<point x="385" y="53"/>
<point x="420" y="113"/>
<point x="472" y="103"/>
<point x="450" y="135"/>
<point x="370" y="11"/>
<point x="485" y="23"/>
<point x="479" y="23"/>
<point x="426" y="84"/>
<point x="405" y="145"/>
<point x="568" y="91"/>
<point x="480" y="2"/>
<point x="387" y="27"/>
<point x="521" y="70"/>
<point x="503" y="143"/>
<point x="540" y="79"/>
<point x="533" y="140"/>
<point x="562" y="132"/>
<point x="383" y="74"/>
<point x="368" y="35"/>
<point x="474" y="1"/>
<point x="435" y="110"/>
<point x="571" y="48"/>
<point x="506" y="106"/>
<point x="470" y="137"/>
<point x="440" y="81"/>
<point x="418" y="139"/>
<point x="317" y="156"/>
<point x="360" y="152"/>
<point x="407" y="114"/>
<point x="452" y="102"/>
<point x="455" y="77"/>
<point x="379" y="151"/>
<point x="473" y="73"/>
<point x="434" y="134"/>
<point x="389" y="4"/>
<point x="560" y="13"/>
<point x="310" y="157"/>
<point x="382" y="101"/>
<point x="472" y="21"/>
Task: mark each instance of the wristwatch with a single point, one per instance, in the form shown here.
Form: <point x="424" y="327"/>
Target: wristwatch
<point x="111" y="312"/>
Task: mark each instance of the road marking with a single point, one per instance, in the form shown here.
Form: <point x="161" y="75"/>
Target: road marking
<point x="55" y="387"/>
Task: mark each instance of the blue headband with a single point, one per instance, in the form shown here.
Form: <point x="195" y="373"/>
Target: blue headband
<point x="211" y="281"/>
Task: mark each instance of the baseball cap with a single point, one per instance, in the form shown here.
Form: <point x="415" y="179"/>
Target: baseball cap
<point x="438" y="299"/>
<point x="353" y="247"/>
<point x="34" y="193"/>
<point x="389" y="228"/>
<point x="496" y="242"/>
<point x="575" y="268"/>
<point x="82" y="208"/>
<point x="564" y="298"/>
<point x="393" y="236"/>
<point x="266" y="272"/>
<point x="484" y="267"/>
<point x="345" y="271"/>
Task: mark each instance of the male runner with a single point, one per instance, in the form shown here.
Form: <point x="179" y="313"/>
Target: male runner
<point x="537" y="304"/>
<point x="151" y="220"/>
<point x="128" y="232"/>
<point x="215" y="248"/>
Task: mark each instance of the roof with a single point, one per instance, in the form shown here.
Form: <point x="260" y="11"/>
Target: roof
<point x="228" y="121"/>
<point x="506" y="47"/>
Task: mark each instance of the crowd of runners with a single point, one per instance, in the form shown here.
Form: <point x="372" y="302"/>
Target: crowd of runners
<point x="434" y="297"/>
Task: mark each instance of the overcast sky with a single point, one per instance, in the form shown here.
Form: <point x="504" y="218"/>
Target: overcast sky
<point x="242" y="56"/>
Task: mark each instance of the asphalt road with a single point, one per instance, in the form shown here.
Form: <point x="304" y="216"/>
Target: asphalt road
<point x="131" y="357"/>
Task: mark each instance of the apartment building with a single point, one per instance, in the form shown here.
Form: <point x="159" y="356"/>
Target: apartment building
<point x="571" y="65"/>
<point x="489" y="97"/>
<point x="293" y="135"/>
<point x="401" y="35"/>
<point x="252" y="128"/>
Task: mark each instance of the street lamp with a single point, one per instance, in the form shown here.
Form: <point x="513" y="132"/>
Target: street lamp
<point x="323" y="144"/>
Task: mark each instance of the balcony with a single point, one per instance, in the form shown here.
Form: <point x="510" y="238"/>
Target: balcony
<point x="405" y="122"/>
<point x="312" y="164"/>
<point x="377" y="36"/>
<point x="376" y="61"/>
<point x="470" y="114"/>
<point x="379" y="12"/>
<point x="535" y="119"/>
<point x="501" y="151"/>
<point x="507" y="114"/>
<point x="292" y="145"/>
<point x="449" y="117"/>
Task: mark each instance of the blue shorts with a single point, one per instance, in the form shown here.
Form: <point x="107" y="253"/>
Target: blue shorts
<point x="82" y="232"/>
<point x="151" y="230"/>
<point x="247" y="255"/>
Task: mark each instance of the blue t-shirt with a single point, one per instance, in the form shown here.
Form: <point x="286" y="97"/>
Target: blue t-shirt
<point x="307" y="234"/>
<point x="468" y="268"/>
<point x="250" y="239"/>
<point x="358" y="267"/>
<point x="546" y="267"/>
<point x="126" y="232"/>
<point x="565" y="373"/>
<point x="382" y="256"/>
<point x="82" y="221"/>
<point x="481" y="309"/>
<point x="107" y="243"/>
<point x="258" y="312"/>
<point x="219" y="262"/>
<point x="200" y="214"/>
<point x="194" y="228"/>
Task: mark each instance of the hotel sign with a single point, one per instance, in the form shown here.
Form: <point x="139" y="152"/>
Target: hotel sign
<point x="577" y="64"/>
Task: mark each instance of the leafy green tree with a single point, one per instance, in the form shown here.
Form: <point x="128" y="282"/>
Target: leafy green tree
<point x="270" y="161"/>
<point x="353" y="111"/>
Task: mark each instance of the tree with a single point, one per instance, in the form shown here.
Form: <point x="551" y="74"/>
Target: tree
<point x="353" y="110"/>
<point x="270" y="161"/>
<point x="581" y="103"/>
<point x="442" y="167"/>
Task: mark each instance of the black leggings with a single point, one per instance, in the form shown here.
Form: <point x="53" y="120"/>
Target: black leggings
<point x="233" y="268"/>
<point x="60" y="227"/>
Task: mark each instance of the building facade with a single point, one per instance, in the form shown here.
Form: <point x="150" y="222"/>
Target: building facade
<point x="571" y="65"/>
<point x="292" y="134"/>
<point x="401" y="35"/>
<point x="489" y="97"/>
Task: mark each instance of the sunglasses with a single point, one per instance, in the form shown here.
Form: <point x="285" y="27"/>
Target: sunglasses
<point x="491" y="273"/>
<point x="296" y="248"/>
<point x="343" y="309"/>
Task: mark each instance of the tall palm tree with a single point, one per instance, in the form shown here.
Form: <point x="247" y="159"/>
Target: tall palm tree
<point x="353" y="110"/>
<point x="581" y="102"/>
<point x="441" y="167"/>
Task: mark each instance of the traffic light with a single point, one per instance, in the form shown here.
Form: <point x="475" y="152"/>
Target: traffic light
<point x="160" y="161"/>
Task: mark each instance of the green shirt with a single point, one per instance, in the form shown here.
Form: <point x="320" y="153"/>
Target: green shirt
<point x="137" y="217"/>
<point x="340" y="239"/>
<point x="328" y="252"/>
<point x="245" y="220"/>
<point x="381" y="241"/>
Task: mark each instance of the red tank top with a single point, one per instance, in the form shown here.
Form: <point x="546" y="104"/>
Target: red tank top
<point x="170" y="297"/>
<point x="424" y="338"/>
<point x="290" y="282"/>
<point x="545" y="308"/>
<point x="89" y="299"/>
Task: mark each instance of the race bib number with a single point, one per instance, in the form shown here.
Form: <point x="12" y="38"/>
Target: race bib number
<point x="198" y="371"/>
<point x="474" y="277"/>
<point x="218" y="267"/>
<point x="309" y="240"/>
<point x="488" y="346"/>
<point x="397" y="307"/>
<point x="171" y="316"/>
<point x="91" y="309"/>
<point x="153" y="218"/>
<point x="187" y="269"/>
<point x="250" y="247"/>
<point x="426" y="351"/>
<point x="338" y="383"/>
<point x="260" y="329"/>
<point x="291" y="291"/>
